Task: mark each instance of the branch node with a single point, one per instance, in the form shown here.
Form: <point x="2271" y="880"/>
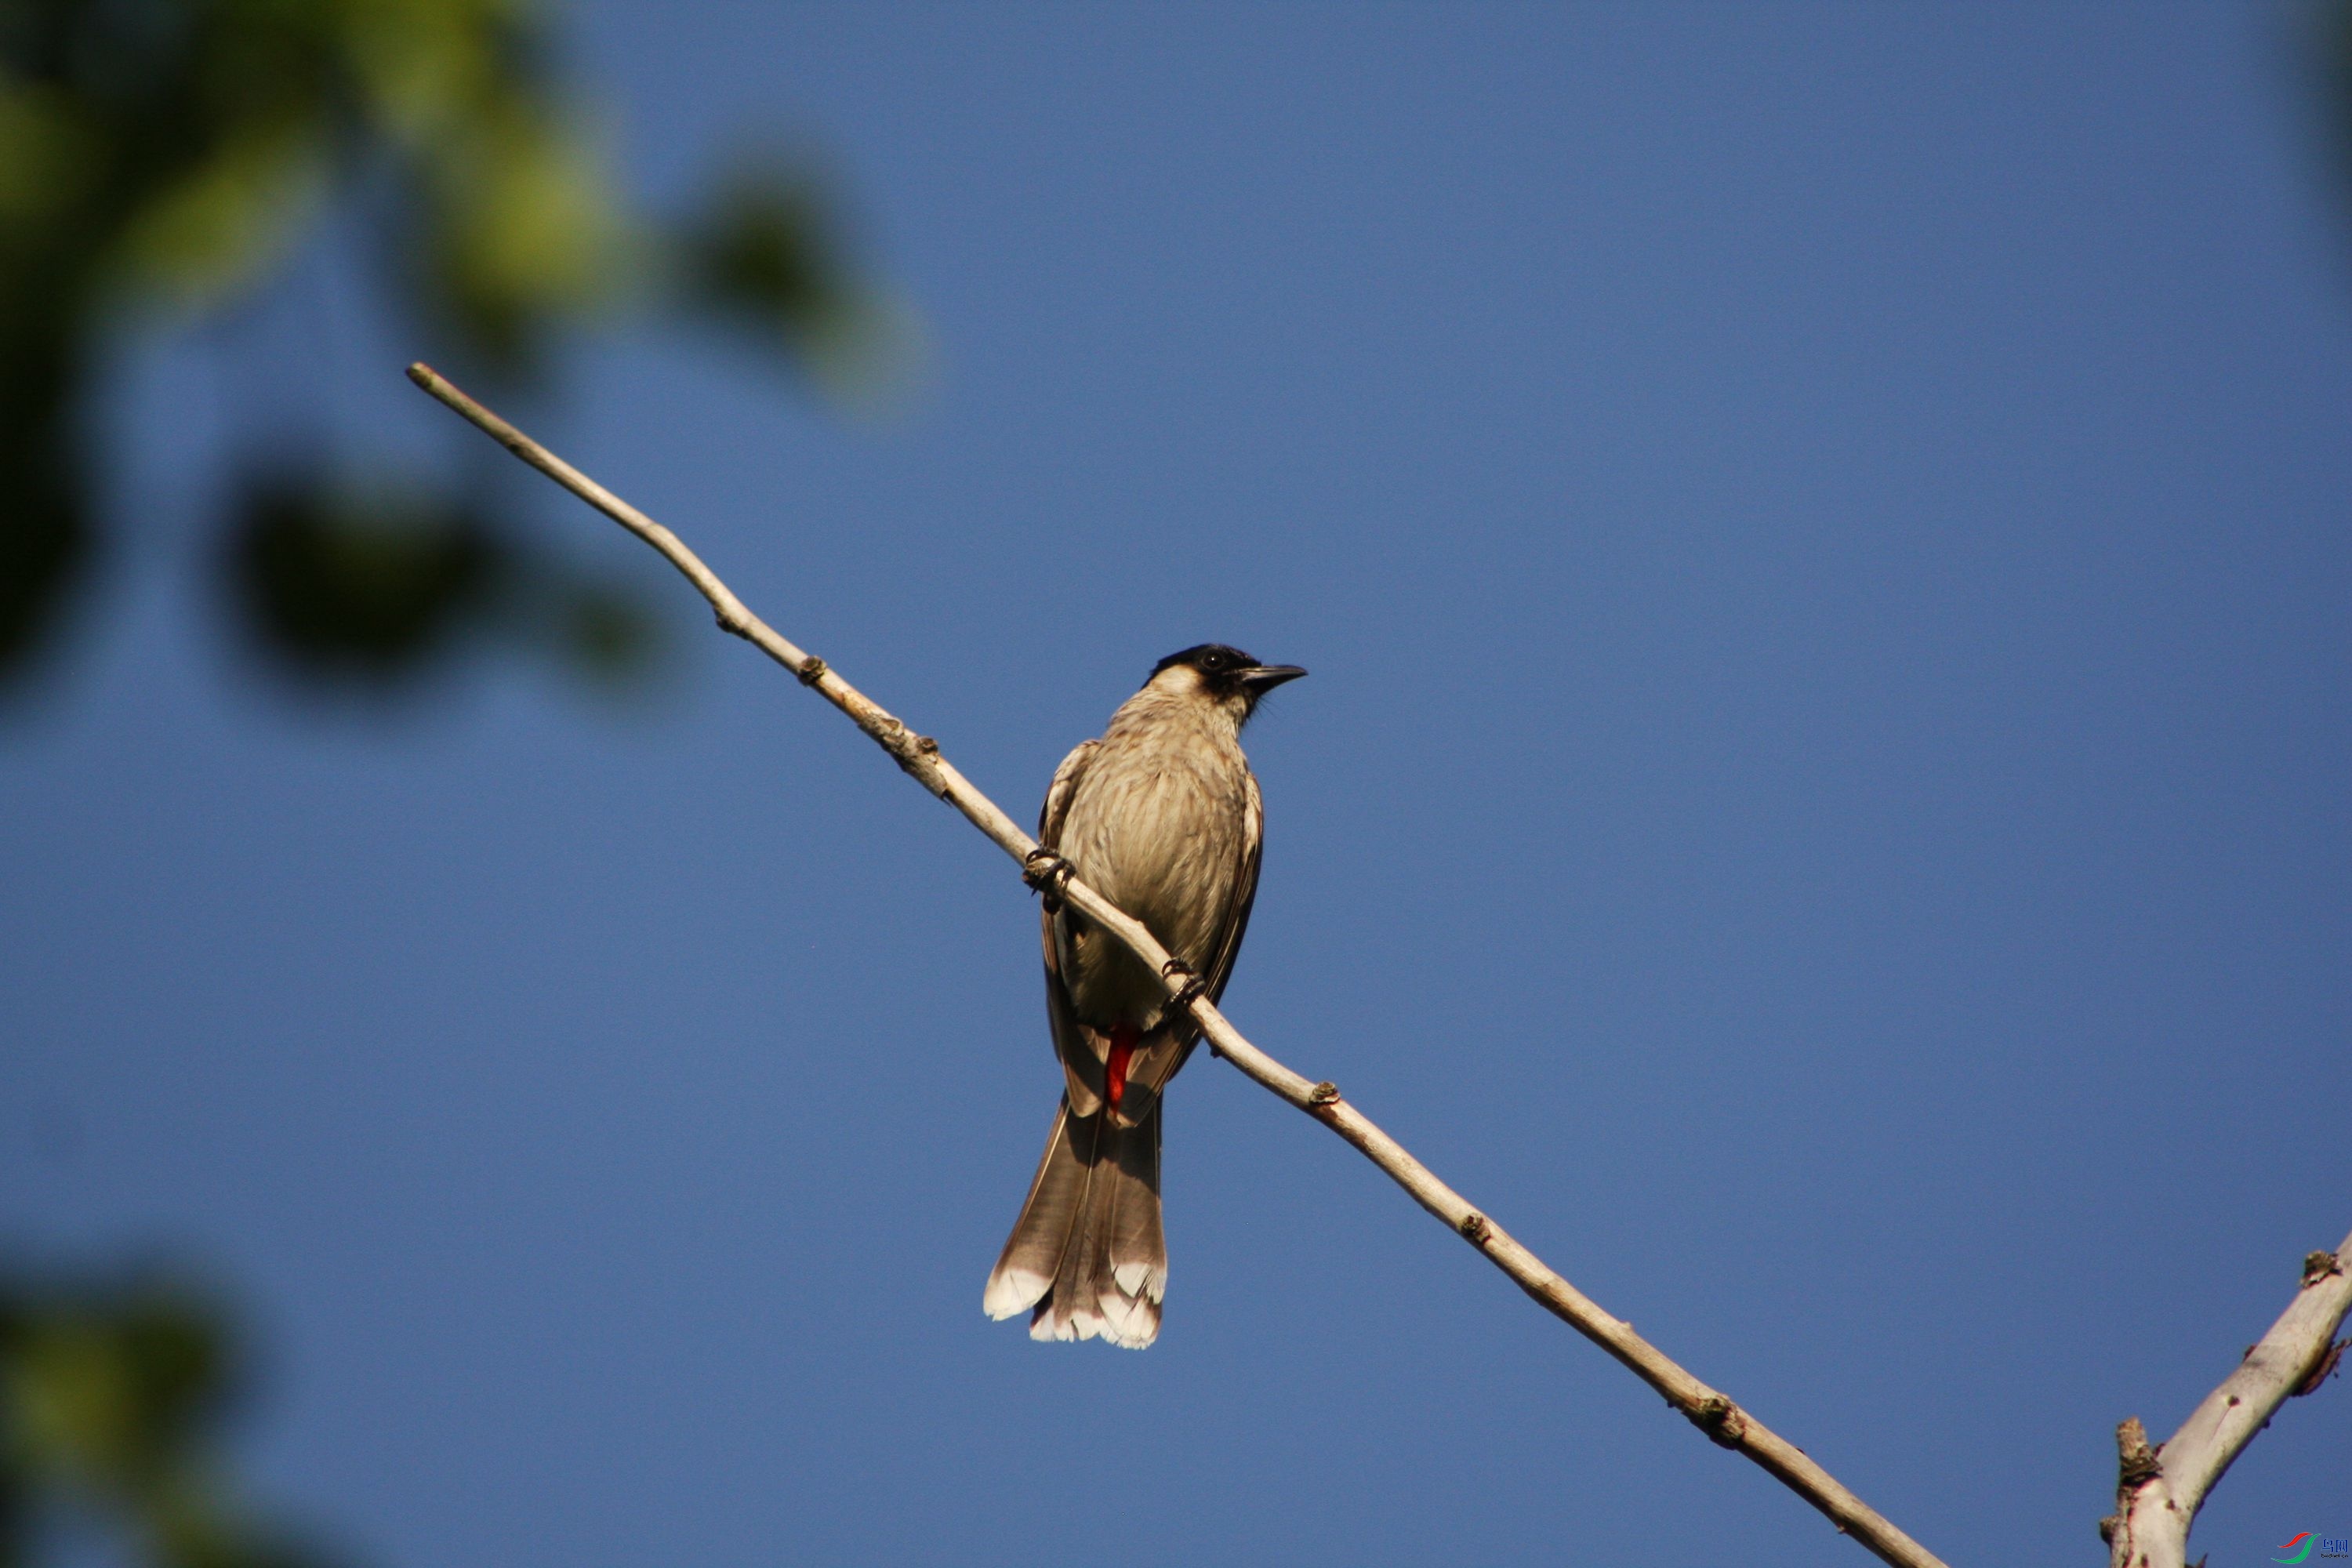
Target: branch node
<point x="812" y="670"/>
<point x="1475" y="1231"/>
<point x="914" y="754"/>
<point x="1723" y="1423"/>
<point x="2318" y="1265"/>
<point x="2137" y="1462"/>
<point x="2321" y="1371"/>
<point x="1322" y="1094"/>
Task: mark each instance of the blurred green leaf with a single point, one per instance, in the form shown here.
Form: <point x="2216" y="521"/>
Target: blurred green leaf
<point x="766" y="257"/>
<point x="374" y="584"/>
<point x="110" y="1400"/>
<point x="605" y="633"/>
<point x="46" y="544"/>
<point x="335" y="583"/>
<point x="207" y="232"/>
<point x="48" y="154"/>
<point x="105" y="1398"/>
<point x="764" y="251"/>
<point x="163" y="158"/>
<point x="45" y="550"/>
<point x="520" y="233"/>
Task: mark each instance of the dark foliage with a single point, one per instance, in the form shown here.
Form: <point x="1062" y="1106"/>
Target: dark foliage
<point x="162" y="160"/>
<point x="110" y="1402"/>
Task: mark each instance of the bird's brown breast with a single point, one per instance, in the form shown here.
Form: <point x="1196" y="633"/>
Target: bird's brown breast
<point x="1157" y="825"/>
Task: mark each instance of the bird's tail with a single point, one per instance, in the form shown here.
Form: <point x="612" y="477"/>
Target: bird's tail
<point x="1088" y="1255"/>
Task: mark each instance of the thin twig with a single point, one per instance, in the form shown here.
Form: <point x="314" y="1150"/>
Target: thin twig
<point x="2161" y="1488"/>
<point x="1714" y="1414"/>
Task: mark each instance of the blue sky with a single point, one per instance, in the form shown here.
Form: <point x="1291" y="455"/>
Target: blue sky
<point x="1819" y="533"/>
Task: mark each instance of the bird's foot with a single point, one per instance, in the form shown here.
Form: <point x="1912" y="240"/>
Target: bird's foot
<point x="1192" y="991"/>
<point x="1049" y="874"/>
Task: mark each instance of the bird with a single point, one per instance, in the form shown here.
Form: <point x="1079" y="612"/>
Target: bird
<point x="1162" y="816"/>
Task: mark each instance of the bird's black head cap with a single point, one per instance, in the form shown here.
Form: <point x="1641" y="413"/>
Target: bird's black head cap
<point x="1226" y="670"/>
<point x="1210" y="658"/>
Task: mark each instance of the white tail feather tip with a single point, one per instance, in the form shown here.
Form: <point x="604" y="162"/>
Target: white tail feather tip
<point x="1015" y="1290"/>
<point x="1129" y="1323"/>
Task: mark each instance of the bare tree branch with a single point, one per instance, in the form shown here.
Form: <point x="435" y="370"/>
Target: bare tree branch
<point x="2161" y="1488"/>
<point x="1714" y="1414"/>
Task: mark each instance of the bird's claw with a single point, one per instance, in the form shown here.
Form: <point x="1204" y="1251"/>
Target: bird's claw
<point x="1049" y="874"/>
<point x="1192" y="991"/>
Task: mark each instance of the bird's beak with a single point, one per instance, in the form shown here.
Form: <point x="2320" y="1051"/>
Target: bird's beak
<point x="1261" y="678"/>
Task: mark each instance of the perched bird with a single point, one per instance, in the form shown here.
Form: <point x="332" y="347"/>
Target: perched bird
<point x="1162" y="816"/>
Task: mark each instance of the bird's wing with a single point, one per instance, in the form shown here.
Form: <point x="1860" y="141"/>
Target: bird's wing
<point x="1058" y="793"/>
<point x="1081" y="1050"/>
<point x="1161" y="1054"/>
<point x="1229" y="940"/>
